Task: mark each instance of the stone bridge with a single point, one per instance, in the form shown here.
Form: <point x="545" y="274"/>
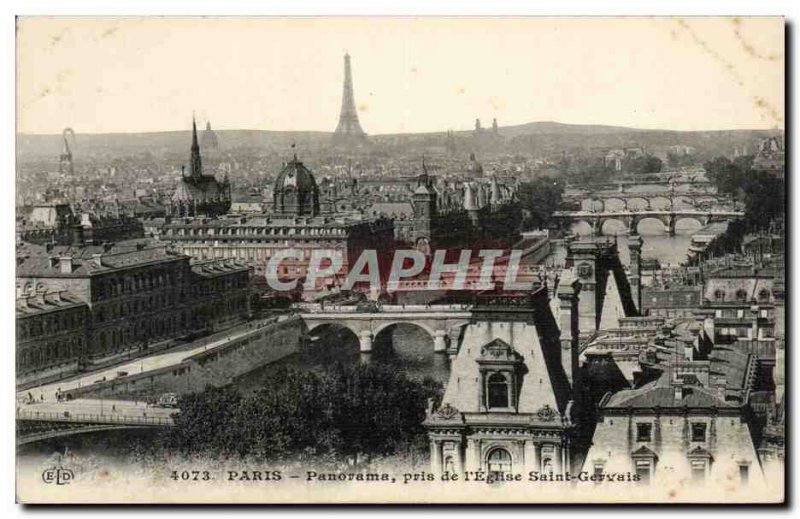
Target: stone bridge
<point x="631" y="219"/>
<point x="443" y="323"/>
<point x="34" y="426"/>
<point x="648" y="200"/>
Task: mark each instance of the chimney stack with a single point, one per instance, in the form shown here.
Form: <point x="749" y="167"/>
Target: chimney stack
<point x="635" y="279"/>
<point x="567" y="292"/>
<point x="66" y="264"/>
<point x="678" y="385"/>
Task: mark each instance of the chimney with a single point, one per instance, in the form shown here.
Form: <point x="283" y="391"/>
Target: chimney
<point x="720" y="387"/>
<point x="678" y="386"/>
<point x="66" y="264"/>
<point x="567" y="292"/>
<point x="754" y="311"/>
<point x="635" y="248"/>
<point x="98" y="259"/>
<point x="688" y="351"/>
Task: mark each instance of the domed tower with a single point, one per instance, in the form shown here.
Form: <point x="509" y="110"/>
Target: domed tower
<point x="209" y="140"/>
<point x="296" y="192"/>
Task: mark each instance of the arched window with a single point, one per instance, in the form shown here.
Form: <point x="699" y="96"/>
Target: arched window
<point x="719" y="295"/>
<point x="498" y="463"/>
<point x="741" y="295"/>
<point x="449" y="465"/>
<point x="498" y="391"/>
<point x="763" y="295"/>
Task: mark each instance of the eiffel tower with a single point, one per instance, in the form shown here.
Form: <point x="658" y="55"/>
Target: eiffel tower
<point x="348" y="131"/>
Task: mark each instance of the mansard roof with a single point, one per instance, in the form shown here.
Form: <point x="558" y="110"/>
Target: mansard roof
<point x="534" y="343"/>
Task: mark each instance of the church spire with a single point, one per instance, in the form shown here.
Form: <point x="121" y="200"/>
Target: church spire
<point x="195" y="164"/>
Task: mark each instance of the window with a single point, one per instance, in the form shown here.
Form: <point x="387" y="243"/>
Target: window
<point x="499" y="463"/>
<point x="498" y="391"/>
<point x="644" y="471"/>
<point x="763" y="295"/>
<point x="698" y="470"/>
<point x="698" y="432"/>
<point x="744" y="474"/>
<point x="741" y="295"/>
<point x="644" y="432"/>
<point x="719" y="295"/>
<point x="449" y="465"/>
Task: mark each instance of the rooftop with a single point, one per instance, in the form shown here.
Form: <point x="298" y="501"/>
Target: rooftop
<point x="78" y="261"/>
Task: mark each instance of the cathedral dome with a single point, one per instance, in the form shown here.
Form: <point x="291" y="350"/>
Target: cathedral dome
<point x="296" y="191"/>
<point x="209" y="139"/>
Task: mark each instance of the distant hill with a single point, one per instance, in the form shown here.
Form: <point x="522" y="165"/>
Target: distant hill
<point x="534" y="136"/>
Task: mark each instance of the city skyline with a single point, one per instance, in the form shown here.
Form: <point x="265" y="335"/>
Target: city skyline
<point x="691" y="87"/>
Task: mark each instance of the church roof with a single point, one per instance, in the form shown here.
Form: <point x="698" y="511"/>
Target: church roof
<point x="295" y="174"/>
<point x="197" y="188"/>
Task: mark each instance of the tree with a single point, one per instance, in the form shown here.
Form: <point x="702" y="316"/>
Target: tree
<point x="343" y="411"/>
<point x="762" y="193"/>
<point x="539" y="199"/>
<point x="644" y="165"/>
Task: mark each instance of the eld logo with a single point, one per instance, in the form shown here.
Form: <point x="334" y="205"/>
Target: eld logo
<point x="59" y="476"/>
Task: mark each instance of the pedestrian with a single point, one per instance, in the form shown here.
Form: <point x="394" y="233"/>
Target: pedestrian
<point x="113" y="408"/>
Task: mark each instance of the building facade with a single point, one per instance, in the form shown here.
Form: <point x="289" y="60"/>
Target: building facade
<point x="509" y="405"/>
<point x="51" y="333"/>
<point x="138" y="295"/>
<point x="296" y="223"/>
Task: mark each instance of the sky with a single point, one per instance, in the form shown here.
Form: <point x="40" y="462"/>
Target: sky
<point x="101" y="75"/>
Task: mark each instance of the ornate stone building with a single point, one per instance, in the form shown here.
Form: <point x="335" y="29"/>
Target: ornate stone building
<point x="295" y="223"/>
<point x="510" y="402"/>
<point x="198" y="194"/>
<point x="295" y="192"/>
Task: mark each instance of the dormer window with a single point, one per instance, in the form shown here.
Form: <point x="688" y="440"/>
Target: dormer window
<point x="501" y="370"/>
<point x="499" y="390"/>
